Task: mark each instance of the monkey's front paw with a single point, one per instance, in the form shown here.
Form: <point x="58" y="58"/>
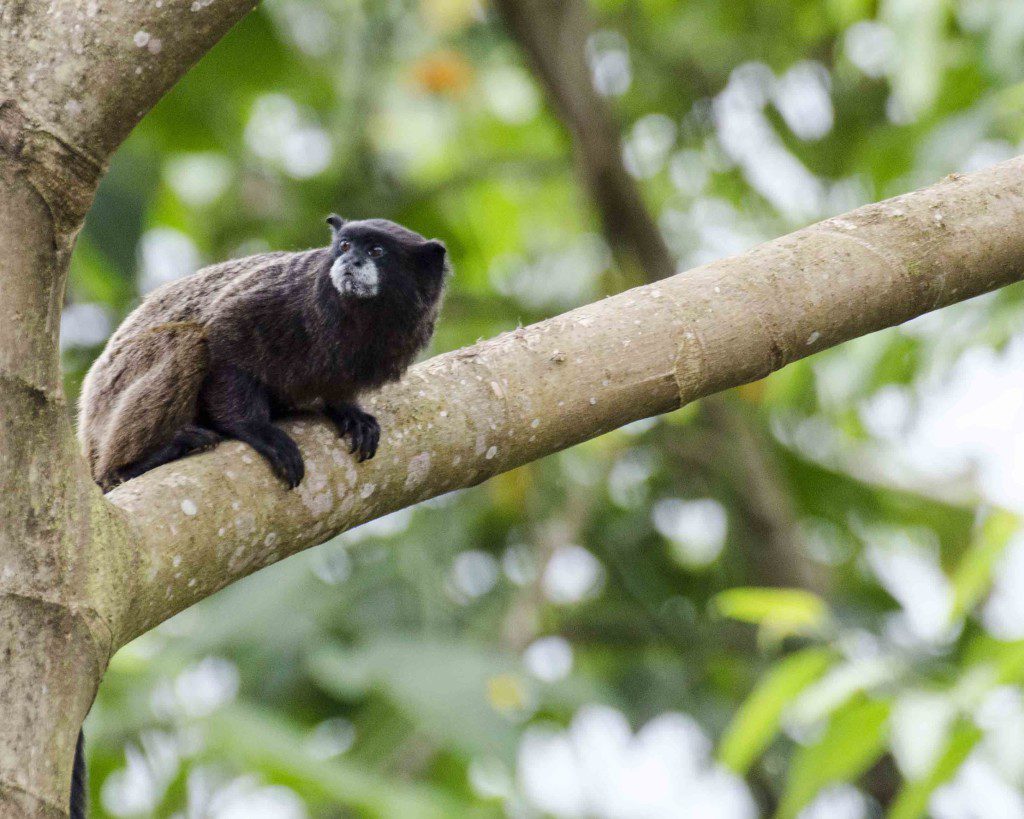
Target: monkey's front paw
<point x="286" y="461"/>
<point x="361" y="427"/>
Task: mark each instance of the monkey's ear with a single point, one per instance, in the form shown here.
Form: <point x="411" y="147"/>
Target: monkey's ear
<point x="336" y="222"/>
<point x="435" y="254"/>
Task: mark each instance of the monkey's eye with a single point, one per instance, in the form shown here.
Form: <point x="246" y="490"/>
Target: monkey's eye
<point x="345" y="247"/>
<point x="376" y="252"/>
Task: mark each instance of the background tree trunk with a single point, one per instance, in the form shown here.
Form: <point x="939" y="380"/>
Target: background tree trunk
<point x="554" y="38"/>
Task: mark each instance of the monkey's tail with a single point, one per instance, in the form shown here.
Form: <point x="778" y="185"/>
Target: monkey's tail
<point x="79" y="781"/>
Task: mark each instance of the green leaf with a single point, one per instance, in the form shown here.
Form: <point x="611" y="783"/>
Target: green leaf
<point x="757" y="721"/>
<point x="347" y="674"/>
<point x="461" y="695"/>
<point x="93" y="277"/>
<point x="854" y="739"/>
<point x="974" y="573"/>
<point x="920" y="29"/>
<point x="1009" y="662"/>
<point x="258" y="737"/>
<point x="840" y="686"/>
<point x="912" y="800"/>
<point x="779" y="612"/>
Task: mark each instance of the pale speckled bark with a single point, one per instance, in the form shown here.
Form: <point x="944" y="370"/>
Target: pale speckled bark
<point x="54" y="639"/>
<point x="462" y="417"/>
<point x="75" y="76"/>
<point x="85" y="71"/>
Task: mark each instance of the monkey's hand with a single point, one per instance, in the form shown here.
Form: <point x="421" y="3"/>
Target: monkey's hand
<point x="361" y="427"/>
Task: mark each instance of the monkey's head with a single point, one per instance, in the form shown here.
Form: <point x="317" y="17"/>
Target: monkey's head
<point x="378" y="259"/>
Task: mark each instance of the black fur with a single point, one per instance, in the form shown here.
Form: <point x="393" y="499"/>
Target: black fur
<point x="79" y="781"/>
<point x="360" y="426"/>
<point x="186" y="441"/>
<point x="314" y="343"/>
<point x="235" y="404"/>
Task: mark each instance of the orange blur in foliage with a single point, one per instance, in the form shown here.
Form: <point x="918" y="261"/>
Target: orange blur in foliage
<point x="443" y="72"/>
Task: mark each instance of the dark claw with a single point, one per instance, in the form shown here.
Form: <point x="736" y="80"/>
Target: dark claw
<point x="293" y="472"/>
<point x="360" y="427"/>
<point x="373" y="440"/>
<point x="286" y="461"/>
<point x="288" y="468"/>
<point x="369" y="438"/>
<point x="204" y="440"/>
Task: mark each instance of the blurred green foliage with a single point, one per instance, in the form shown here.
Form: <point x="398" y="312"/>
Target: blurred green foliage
<point x="496" y="651"/>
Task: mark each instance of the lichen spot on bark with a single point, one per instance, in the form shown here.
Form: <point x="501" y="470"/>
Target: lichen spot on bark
<point x="419" y="467"/>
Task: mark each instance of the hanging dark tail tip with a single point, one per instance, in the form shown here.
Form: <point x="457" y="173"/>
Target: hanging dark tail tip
<point x="79" y="781"/>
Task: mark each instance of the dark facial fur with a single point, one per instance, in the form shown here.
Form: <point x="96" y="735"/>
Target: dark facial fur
<point x="380" y="258"/>
<point x="224" y="352"/>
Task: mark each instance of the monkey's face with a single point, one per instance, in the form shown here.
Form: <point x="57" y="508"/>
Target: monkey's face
<point x="355" y="272"/>
<point x="377" y="258"/>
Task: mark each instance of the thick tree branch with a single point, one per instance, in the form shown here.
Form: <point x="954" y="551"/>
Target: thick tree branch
<point x="80" y="575"/>
<point x="462" y="417"/>
<point x="54" y="641"/>
<point x="84" y="72"/>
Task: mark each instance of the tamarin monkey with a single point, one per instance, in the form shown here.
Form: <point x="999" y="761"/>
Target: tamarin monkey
<point x="226" y="351"/>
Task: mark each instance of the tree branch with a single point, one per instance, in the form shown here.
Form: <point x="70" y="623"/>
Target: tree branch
<point x="80" y="575"/>
<point x="463" y="417"/>
<point x="95" y="67"/>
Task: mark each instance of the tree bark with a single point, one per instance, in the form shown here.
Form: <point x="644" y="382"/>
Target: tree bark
<point x="81" y="574"/>
<point x="75" y="77"/>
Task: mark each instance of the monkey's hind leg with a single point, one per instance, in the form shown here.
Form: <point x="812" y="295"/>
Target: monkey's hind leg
<point x="149" y="394"/>
<point x="238" y="406"/>
<point x="189" y="440"/>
